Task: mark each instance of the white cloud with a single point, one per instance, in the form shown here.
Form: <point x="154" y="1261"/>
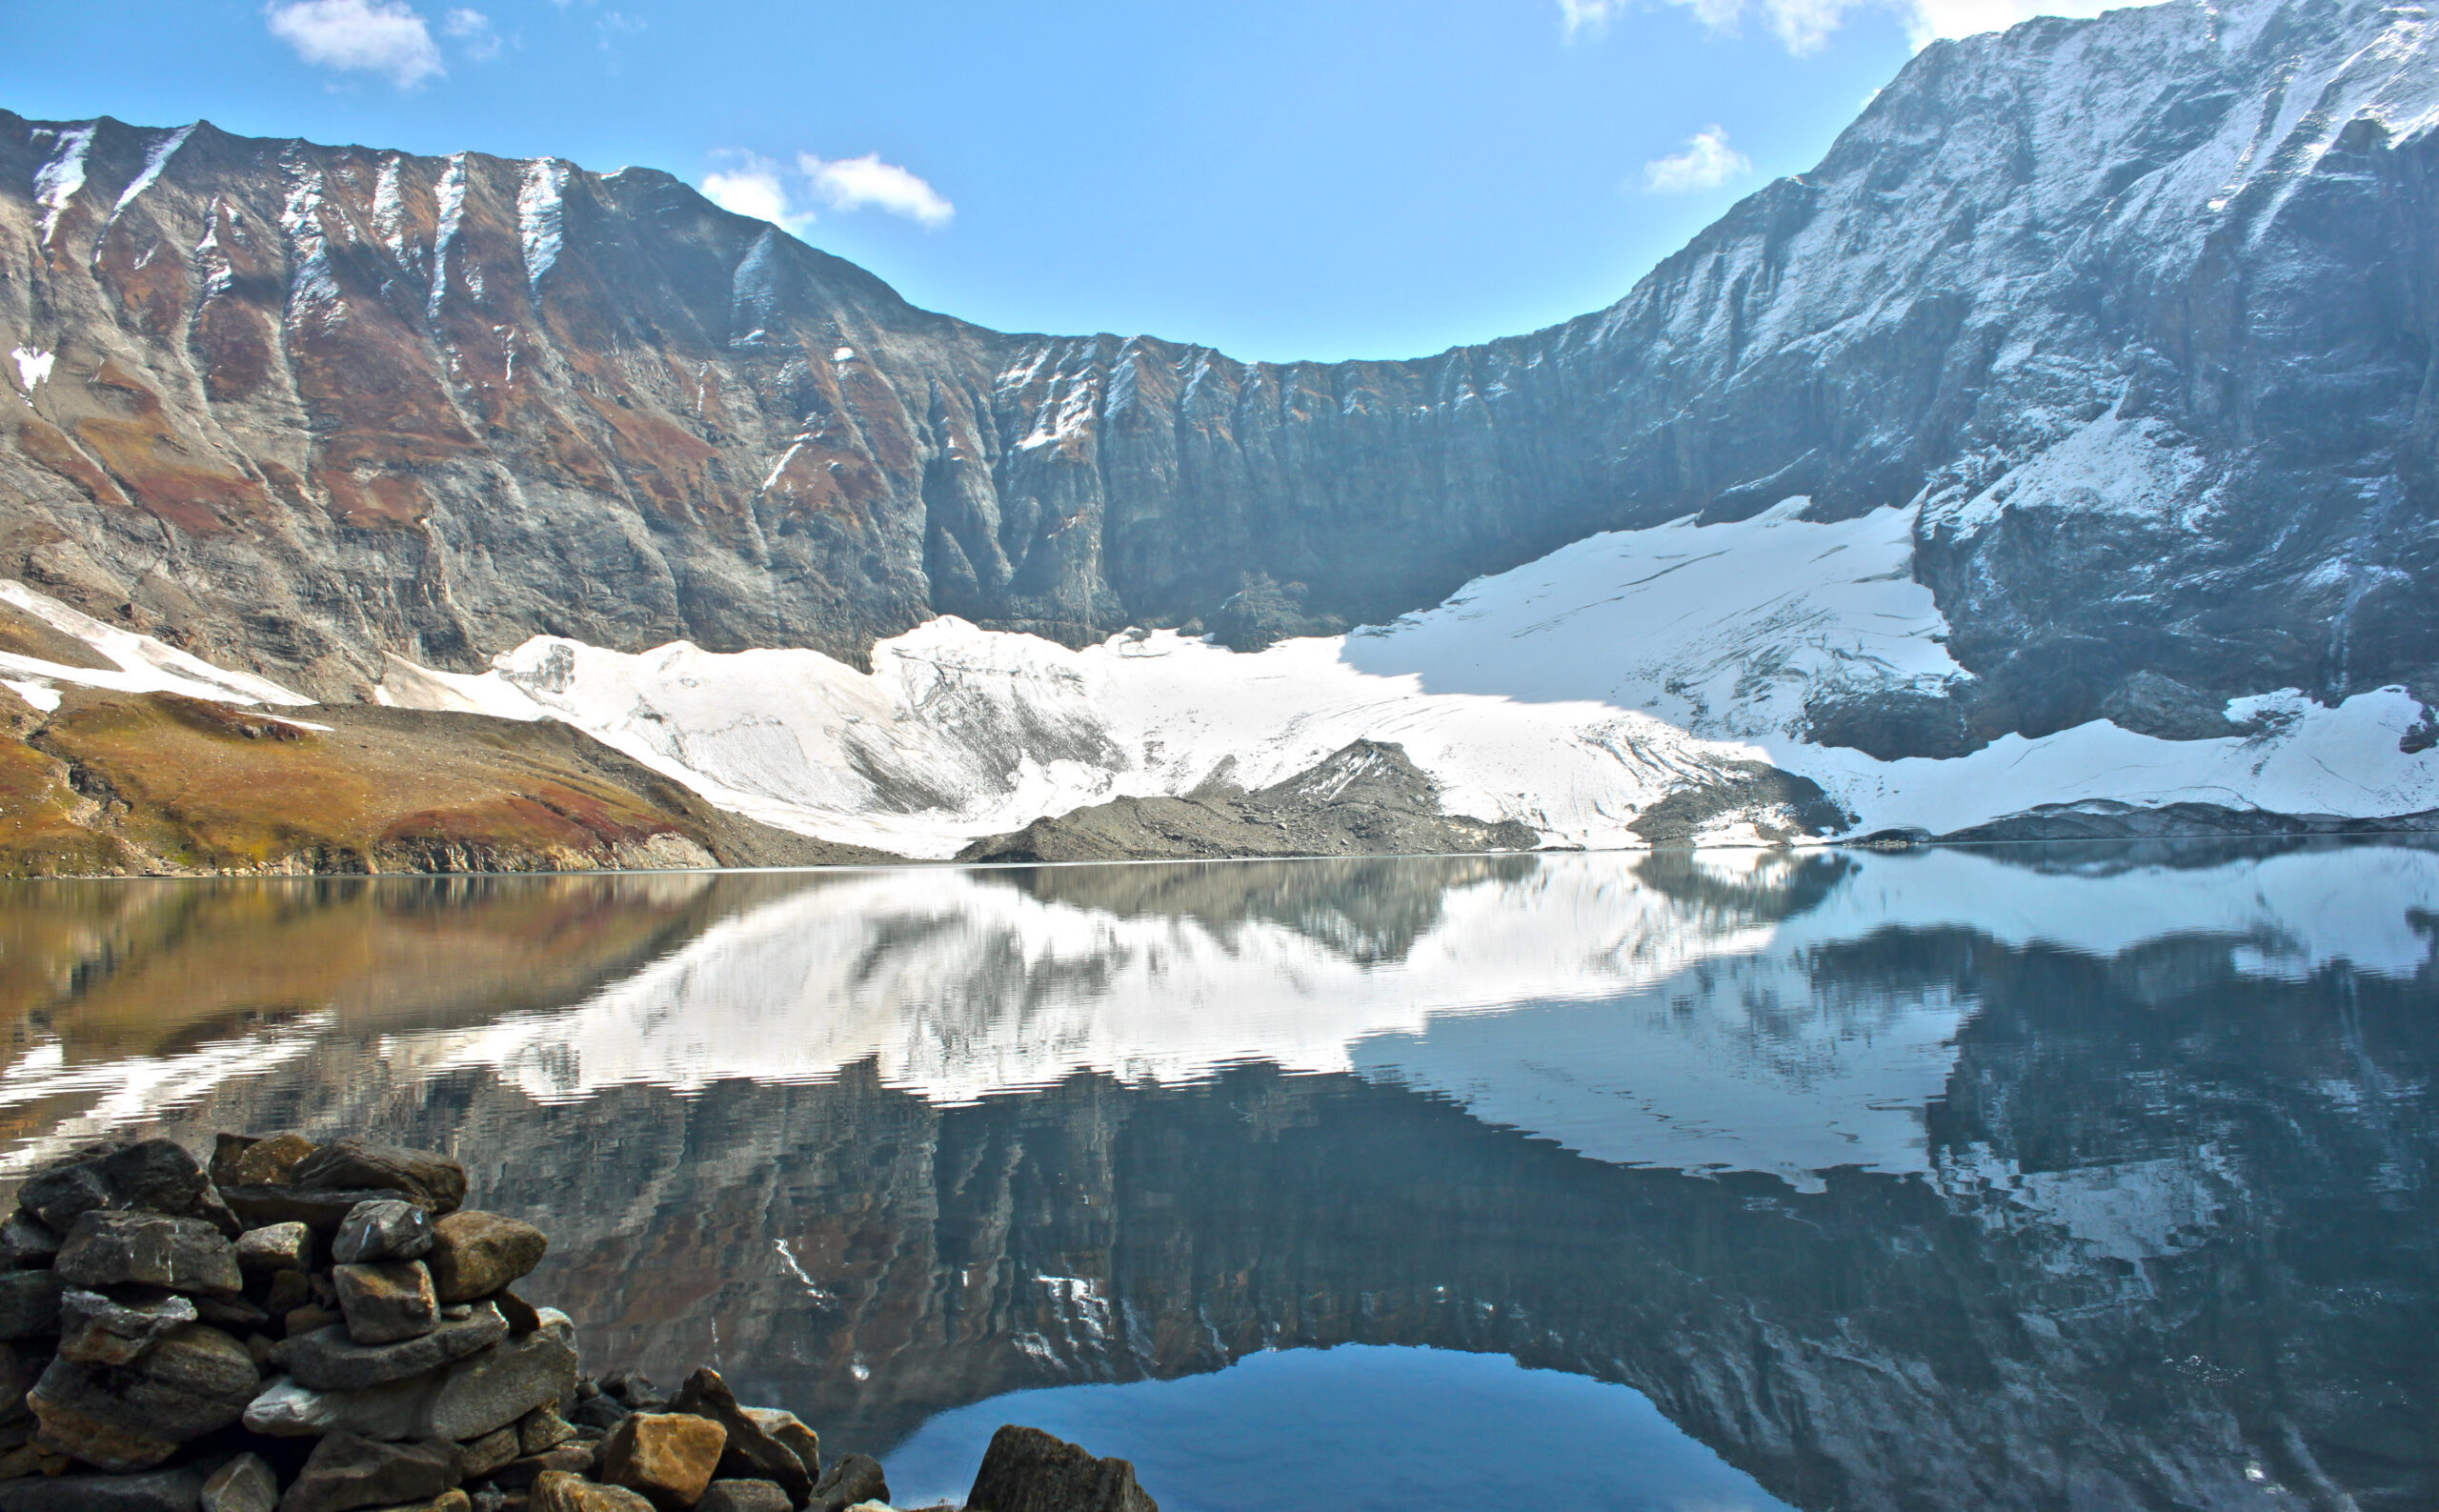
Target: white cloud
<point x="1706" y="163"/>
<point x="1588" y="15"/>
<point x="1805" y="25"/>
<point x="754" y="188"/>
<point x="853" y="182"/>
<point x="378" y="36"/>
<point x="474" y="32"/>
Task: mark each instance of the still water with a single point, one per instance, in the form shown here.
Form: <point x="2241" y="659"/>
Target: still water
<point x="2093" y="1178"/>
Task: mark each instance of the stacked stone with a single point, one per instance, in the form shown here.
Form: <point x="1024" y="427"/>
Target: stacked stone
<point x="305" y="1328"/>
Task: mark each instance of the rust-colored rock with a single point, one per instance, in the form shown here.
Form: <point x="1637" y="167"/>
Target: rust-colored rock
<point x="667" y="1457"/>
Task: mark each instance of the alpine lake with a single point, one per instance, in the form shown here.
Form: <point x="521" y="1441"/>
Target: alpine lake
<point x="2038" y="1177"/>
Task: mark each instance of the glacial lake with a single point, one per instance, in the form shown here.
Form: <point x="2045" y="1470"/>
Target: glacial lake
<point x="2090" y="1177"/>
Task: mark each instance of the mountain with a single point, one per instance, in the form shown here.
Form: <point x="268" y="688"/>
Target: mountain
<point x="2125" y="325"/>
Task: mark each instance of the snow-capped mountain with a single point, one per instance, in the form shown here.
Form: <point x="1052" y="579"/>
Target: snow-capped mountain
<point x="2110" y="343"/>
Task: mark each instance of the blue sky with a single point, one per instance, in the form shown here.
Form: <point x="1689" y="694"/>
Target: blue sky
<point x="1279" y="178"/>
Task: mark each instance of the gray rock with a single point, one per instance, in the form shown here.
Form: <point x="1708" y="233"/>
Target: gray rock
<point x="26" y="1242"/>
<point x="132" y="1416"/>
<point x="388" y="1301"/>
<point x="478" y="1458"/>
<point x="276" y="1247"/>
<point x="752" y="1452"/>
<point x="147" y="1249"/>
<point x="855" y="1478"/>
<point x="434" y="1180"/>
<point x="542" y="1430"/>
<point x="388" y="1229"/>
<point x="1027" y="1470"/>
<point x="30" y="1304"/>
<point x="786" y="1427"/>
<point x="568" y="1458"/>
<point x="347" y="1471"/>
<point x="63" y="1190"/>
<point x="148" y="1176"/>
<point x="601" y="1412"/>
<point x="744" y="1496"/>
<point x="244" y="1485"/>
<point x="485" y="1391"/>
<point x="321" y="1211"/>
<point x="327" y="1359"/>
<point x="174" y="1490"/>
<point x="98" y="1330"/>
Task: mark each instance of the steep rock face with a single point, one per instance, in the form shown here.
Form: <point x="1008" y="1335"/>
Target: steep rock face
<point x="2137" y="309"/>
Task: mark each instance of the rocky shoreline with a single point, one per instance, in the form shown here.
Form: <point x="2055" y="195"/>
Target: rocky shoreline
<point x="328" y="1328"/>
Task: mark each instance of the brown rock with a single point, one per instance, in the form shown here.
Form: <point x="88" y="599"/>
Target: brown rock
<point x="387" y="1301"/>
<point x="434" y="1180"/>
<point x="753" y="1453"/>
<point x="276" y="1247"/>
<point x="668" y="1456"/>
<point x="786" y="1427"/>
<point x="195" y="1381"/>
<point x="523" y="1317"/>
<point x="243" y="1160"/>
<point x="1027" y="1470"/>
<point x="474" y="1254"/>
<point x="147" y="1249"/>
<point x="445" y="1502"/>
<point x="745" y="1496"/>
<point x="560" y="1492"/>
<point x="386" y="1229"/>
<point x="289" y="1290"/>
<point x="310" y="1318"/>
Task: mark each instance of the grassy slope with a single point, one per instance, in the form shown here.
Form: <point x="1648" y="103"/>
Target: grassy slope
<point x="126" y="784"/>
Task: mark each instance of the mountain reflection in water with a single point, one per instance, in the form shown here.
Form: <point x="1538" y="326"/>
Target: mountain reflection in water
<point x="2026" y="1178"/>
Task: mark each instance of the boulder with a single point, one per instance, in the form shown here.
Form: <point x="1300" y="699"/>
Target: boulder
<point x="1027" y="1470"/>
<point x="474" y="1254"/>
<point x="244" y="1485"/>
<point x="388" y="1301"/>
<point x="148" y="1176"/>
<point x="26" y="1242"/>
<point x="276" y="1247"/>
<point x="634" y="1390"/>
<point x="241" y="1159"/>
<point x="21" y="1365"/>
<point x="321" y="1211"/>
<point x="347" y="1472"/>
<point x="604" y="1412"/>
<point x="522" y="1316"/>
<point x="384" y="1229"/>
<point x="98" y="1330"/>
<point x="30" y="1304"/>
<point x="744" y="1496"/>
<point x="478" y="1458"/>
<point x="147" y="1249"/>
<point x="753" y="1453"/>
<point x="558" y="1491"/>
<point x="195" y="1381"/>
<point x="327" y="1359"/>
<point x="785" y="1426"/>
<point x="667" y="1457"/>
<point x="172" y="1490"/>
<point x="855" y="1478"/>
<point x="434" y="1181"/>
<point x="486" y="1390"/>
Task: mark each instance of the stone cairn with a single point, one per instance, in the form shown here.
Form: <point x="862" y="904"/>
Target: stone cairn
<point x="327" y="1328"/>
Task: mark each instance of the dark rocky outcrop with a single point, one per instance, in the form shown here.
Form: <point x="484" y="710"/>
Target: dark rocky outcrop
<point x="2149" y="347"/>
<point x="1027" y="1470"/>
<point x="1364" y="799"/>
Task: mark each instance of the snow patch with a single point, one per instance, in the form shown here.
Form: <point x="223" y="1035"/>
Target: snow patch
<point x="62" y="174"/>
<point x="451" y="201"/>
<point x="144" y="664"/>
<point x="33" y="367"/>
<point x="155" y="158"/>
<point x="541" y="213"/>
